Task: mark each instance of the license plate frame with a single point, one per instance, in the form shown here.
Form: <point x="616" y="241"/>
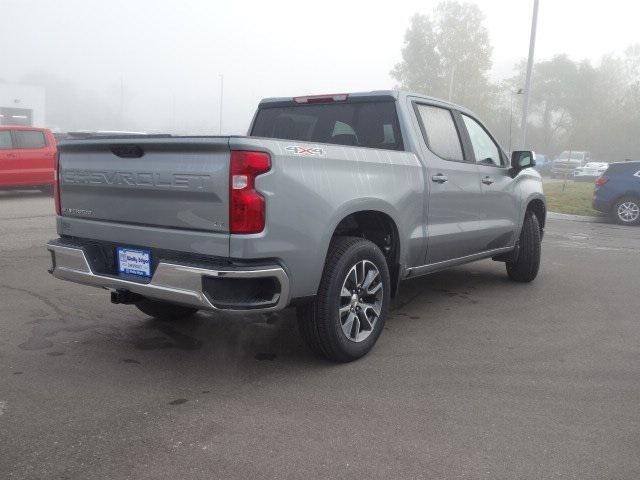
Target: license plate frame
<point x="134" y="261"/>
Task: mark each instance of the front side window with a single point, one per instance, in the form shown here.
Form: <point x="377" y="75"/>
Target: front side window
<point x="30" y="139"/>
<point x="485" y="149"/>
<point x="5" y="140"/>
<point x="440" y="132"/>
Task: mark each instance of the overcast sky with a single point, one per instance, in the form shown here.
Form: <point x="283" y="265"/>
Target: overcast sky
<point x="168" y="49"/>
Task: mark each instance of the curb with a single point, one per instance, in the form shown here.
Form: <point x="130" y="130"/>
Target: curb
<point x="576" y="218"/>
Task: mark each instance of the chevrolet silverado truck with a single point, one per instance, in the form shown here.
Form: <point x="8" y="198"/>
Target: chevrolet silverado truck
<point x="326" y="205"/>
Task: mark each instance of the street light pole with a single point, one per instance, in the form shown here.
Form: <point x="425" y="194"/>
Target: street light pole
<point x="527" y="86"/>
<point x="221" y="96"/>
<point x="453" y="71"/>
<point x="512" y="94"/>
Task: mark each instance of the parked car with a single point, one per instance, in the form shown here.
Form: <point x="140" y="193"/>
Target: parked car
<point x="567" y="162"/>
<point x="27" y="157"/>
<point x="543" y="164"/>
<point x="590" y="171"/>
<point x="328" y="203"/>
<point x="617" y="192"/>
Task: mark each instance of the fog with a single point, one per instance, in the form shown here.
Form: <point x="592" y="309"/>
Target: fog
<point x="157" y="65"/>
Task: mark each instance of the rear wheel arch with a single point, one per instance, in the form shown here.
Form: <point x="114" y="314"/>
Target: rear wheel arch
<point x="381" y="229"/>
<point x="626" y="194"/>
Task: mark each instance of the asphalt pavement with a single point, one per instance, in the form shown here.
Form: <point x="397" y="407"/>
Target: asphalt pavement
<point x="474" y="376"/>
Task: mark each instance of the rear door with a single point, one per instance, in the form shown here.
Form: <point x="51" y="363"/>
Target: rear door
<point x="498" y="208"/>
<point x="34" y="160"/>
<point x="453" y="185"/>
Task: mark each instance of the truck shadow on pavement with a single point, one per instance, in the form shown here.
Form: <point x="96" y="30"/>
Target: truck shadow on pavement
<point x="272" y="337"/>
<point x="220" y="343"/>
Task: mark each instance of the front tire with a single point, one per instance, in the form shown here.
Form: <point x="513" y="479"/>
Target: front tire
<point x="164" y="310"/>
<point x="626" y="211"/>
<point x="524" y="268"/>
<point x="347" y="316"/>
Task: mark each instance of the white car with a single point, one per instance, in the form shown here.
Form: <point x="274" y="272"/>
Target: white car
<point x="590" y="171"/>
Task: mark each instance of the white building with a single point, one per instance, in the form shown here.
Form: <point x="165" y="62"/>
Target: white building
<point x="21" y="105"/>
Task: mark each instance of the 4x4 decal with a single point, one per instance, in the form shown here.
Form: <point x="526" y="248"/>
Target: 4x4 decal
<point x="305" y="151"/>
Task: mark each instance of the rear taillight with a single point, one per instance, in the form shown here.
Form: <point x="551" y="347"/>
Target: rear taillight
<point x="246" y="205"/>
<point x="56" y="182"/>
<point x="601" y="181"/>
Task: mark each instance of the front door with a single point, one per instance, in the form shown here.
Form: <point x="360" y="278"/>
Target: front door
<point x="499" y="207"/>
<point x="453" y="185"/>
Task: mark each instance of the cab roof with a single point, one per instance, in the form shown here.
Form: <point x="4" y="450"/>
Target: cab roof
<point x="380" y="95"/>
<point x="23" y="127"/>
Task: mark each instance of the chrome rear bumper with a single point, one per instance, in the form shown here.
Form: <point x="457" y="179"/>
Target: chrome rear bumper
<point x="171" y="282"/>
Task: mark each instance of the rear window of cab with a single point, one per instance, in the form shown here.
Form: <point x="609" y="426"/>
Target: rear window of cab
<point x="362" y="124"/>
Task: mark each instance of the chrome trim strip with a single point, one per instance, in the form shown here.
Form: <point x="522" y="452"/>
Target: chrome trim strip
<point x="171" y="282"/>
<point x="413" y="272"/>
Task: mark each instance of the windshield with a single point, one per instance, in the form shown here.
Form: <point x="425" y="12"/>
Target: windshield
<point x="369" y="124"/>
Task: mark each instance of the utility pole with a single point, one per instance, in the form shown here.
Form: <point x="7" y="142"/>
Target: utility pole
<point x="173" y="112"/>
<point x="527" y="86"/>
<point x="512" y="94"/>
<point x="453" y="71"/>
<point x="121" y="102"/>
<point x="221" y="97"/>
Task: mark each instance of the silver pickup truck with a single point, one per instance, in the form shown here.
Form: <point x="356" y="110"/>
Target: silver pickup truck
<point x="326" y="205"/>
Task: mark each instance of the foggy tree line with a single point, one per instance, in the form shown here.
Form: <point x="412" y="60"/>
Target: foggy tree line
<point x="575" y="105"/>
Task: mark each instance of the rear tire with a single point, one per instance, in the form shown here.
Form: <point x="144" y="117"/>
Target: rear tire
<point x="626" y="211"/>
<point x="524" y="268"/>
<point x="347" y="316"/>
<point x="164" y="310"/>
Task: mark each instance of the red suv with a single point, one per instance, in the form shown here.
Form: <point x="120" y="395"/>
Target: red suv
<point x="27" y="157"/>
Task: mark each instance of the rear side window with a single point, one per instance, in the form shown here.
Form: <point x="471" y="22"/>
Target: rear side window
<point x="29" y="139"/>
<point x="5" y="140"/>
<point x="440" y="132"/>
<point x="367" y="124"/>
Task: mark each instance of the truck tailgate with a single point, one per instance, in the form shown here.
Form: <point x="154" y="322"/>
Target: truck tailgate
<point x="170" y="183"/>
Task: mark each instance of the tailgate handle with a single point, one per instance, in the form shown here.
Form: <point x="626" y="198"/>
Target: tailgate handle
<point x="127" y="151"/>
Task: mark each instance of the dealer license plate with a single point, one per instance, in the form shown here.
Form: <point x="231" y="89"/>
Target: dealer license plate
<point x="134" y="261"/>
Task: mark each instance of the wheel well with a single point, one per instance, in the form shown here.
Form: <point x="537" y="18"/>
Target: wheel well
<point x="633" y="195"/>
<point x="540" y="211"/>
<point x="380" y="229"/>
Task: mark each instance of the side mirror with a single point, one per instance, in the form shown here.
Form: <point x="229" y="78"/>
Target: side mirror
<point x="521" y="159"/>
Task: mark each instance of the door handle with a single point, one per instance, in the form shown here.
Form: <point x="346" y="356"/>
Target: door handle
<point x="487" y="180"/>
<point x="439" y="178"/>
